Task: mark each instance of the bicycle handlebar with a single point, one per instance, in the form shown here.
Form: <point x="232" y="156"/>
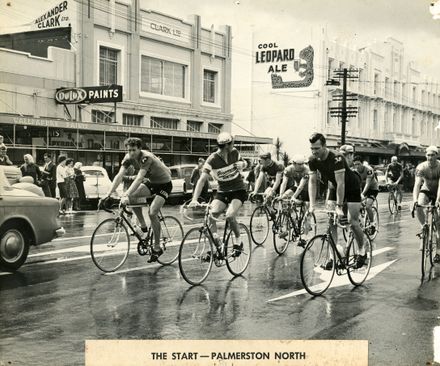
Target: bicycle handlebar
<point x="421" y="206"/>
<point x="206" y="206"/>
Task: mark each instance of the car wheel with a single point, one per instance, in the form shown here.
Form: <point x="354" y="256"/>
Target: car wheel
<point x="14" y="246"/>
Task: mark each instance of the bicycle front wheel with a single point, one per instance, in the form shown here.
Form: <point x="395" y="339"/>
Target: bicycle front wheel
<point x="425" y="250"/>
<point x="259" y="225"/>
<point x="308" y="226"/>
<point x="283" y="235"/>
<point x="358" y="268"/>
<point x="196" y="256"/>
<point x="110" y="245"/>
<point x="392" y="203"/>
<point x="372" y="227"/>
<point x="318" y="265"/>
<point x="238" y="252"/>
<point x="171" y="236"/>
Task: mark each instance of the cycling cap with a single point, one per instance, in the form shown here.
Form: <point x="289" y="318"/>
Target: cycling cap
<point x="224" y="138"/>
<point x="298" y="159"/>
<point x="394" y="158"/>
<point x="346" y="149"/>
<point x="432" y="149"/>
<point x="266" y="155"/>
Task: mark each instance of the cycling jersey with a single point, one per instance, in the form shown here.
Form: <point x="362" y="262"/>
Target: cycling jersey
<point x="226" y="173"/>
<point x="365" y="173"/>
<point x="157" y="171"/>
<point x="273" y="169"/>
<point x="394" y="171"/>
<point x="334" y="162"/>
<point x="430" y="176"/>
<point x="294" y="176"/>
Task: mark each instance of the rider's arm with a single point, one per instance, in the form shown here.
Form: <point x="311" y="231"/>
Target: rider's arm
<point x="200" y="184"/>
<point x="368" y="182"/>
<point x="259" y="182"/>
<point x="417" y="185"/>
<point x="313" y="183"/>
<point x="117" y="180"/>
<point x="301" y="186"/>
<point x="283" y="185"/>
<point x="277" y="181"/>
<point x="340" y="186"/>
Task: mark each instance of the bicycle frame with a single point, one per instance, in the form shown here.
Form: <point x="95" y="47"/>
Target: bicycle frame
<point x="296" y="224"/>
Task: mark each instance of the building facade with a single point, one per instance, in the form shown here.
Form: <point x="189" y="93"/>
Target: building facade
<point x="175" y="76"/>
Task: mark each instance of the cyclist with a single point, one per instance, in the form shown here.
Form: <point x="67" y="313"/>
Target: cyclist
<point x="273" y="171"/>
<point x="369" y="185"/>
<point x="394" y="175"/>
<point x="153" y="178"/>
<point x="295" y="180"/>
<point x="426" y="189"/>
<point x="345" y="188"/>
<point x="225" y="165"/>
<point x="348" y="152"/>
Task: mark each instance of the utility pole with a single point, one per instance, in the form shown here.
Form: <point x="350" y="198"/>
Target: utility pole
<point x="343" y="111"/>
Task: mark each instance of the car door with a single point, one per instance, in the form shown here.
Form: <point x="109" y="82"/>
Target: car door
<point x="186" y="175"/>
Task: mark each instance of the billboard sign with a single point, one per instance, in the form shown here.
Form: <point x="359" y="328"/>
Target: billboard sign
<point x="89" y="94"/>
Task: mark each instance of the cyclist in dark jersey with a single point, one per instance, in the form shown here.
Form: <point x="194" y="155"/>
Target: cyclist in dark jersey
<point x="334" y="169"/>
<point x="394" y="175"/>
<point x="224" y="165"/>
<point x="369" y="186"/>
<point x="153" y="178"/>
<point x="273" y="171"/>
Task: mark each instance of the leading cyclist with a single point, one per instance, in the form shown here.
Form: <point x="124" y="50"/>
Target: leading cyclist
<point x="426" y="190"/>
<point x="225" y="165"/>
<point x="394" y="175"/>
<point x="153" y="178"/>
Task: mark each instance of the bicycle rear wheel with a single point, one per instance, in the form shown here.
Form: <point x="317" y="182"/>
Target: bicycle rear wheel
<point x="283" y="235"/>
<point x="392" y="203"/>
<point x="318" y="265"/>
<point x="372" y="227"/>
<point x="356" y="272"/>
<point x="259" y="225"/>
<point x="171" y="236"/>
<point x="110" y="245"/>
<point x="425" y="250"/>
<point x="238" y="260"/>
<point x="196" y="256"/>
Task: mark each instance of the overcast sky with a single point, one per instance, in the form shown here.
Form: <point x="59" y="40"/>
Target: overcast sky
<point x="355" y="21"/>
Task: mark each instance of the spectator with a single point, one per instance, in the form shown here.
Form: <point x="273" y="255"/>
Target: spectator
<point x="195" y="176"/>
<point x="49" y="176"/>
<point x="61" y="175"/>
<point x="30" y="169"/>
<point x="79" y="182"/>
<point x="251" y="178"/>
<point x="4" y="159"/>
<point x="71" y="190"/>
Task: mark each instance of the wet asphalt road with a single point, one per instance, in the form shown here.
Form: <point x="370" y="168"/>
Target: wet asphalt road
<point x="59" y="299"/>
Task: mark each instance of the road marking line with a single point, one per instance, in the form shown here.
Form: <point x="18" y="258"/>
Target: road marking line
<point x="436" y="340"/>
<point x="339" y="281"/>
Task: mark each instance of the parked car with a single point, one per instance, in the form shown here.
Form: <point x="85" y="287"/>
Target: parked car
<point x="25" y="219"/>
<point x="381" y="180"/>
<point x="97" y="183"/>
<point x="181" y="176"/>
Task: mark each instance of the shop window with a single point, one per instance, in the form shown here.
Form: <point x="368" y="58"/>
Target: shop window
<point x="162" y="77"/>
<point x="108" y="65"/>
<point x="194" y="126"/>
<point x="131" y="119"/>
<point x="103" y="116"/>
<point x="165" y="123"/>
<point x="215" y="128"/>
<point x="209" y="86"/>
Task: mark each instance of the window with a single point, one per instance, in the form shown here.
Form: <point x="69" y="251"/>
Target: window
<point x="385" y="121"/>
<point x="103" y="116"/>
<point x="108" y="66"/>
<point x="375" y="122"/>
<point x="162" y="77"/>
<point x="413" y="125"/>
<point x="209" y="86"/>
<point x="414" y="94"/>
<point x="165" y="123"/>
<point x="387" y="87"/>
<point x="396" y="89"/>
<point x="131" y="119"/>
<point x="194" y="126"/>
<point x="215" y="128"/>
<point x="376" y="86"/>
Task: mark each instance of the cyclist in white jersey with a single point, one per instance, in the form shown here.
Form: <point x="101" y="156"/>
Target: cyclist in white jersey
<point x="224" y="165"/>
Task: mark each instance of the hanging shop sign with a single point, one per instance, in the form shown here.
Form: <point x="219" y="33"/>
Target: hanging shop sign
<point x="56" y="17"/>
<point x="89" y="94"/>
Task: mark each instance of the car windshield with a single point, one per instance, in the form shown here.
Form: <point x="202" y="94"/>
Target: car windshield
<point x="174" y="174"/>
<point x="93" y="173"/>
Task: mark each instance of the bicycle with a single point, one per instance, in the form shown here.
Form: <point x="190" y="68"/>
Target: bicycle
<point x="372" y="228"/>
<point x="429" y="229"/>
<point x="110" y="242"/>
<point x="259" y="223"/>
<point x="393" y="201"/>
<point x="321" y="259"/>
<point x="292" y="223"/>
<point x="198" y="250"/>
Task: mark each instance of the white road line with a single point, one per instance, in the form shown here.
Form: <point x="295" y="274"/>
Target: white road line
<point x="343" y="280"/>
<point x="436" y="341"/>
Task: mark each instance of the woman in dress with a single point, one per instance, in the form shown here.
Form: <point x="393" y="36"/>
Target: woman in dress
<point x="71" y="190"/>
<point x="61" y="183"/>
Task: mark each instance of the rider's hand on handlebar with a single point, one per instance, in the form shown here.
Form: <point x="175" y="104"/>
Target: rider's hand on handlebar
<point x="124" y="200"/>
<point x="311" y="209"/>
<point x="339" y="211"/>
<point x="193" y="204"/>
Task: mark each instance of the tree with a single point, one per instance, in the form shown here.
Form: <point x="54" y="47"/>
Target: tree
<point x="285" y="158"/>
<point x="278" y="145"/>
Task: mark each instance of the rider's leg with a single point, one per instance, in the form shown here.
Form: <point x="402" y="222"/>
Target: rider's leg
<point x="369" y="206"/>
<point x="139" y="197"/>
<point x="231" y="216"/>
<point x="399" y="194"/>
<point x="153" y="213"/>
<point x="423" y="199"/>
<point x="331" y="206"/>
<point x="353" y="217"/>
<point x="217" y="207"/>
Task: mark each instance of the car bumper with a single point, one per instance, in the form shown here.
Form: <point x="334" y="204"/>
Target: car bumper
<point x="60" y="232"/>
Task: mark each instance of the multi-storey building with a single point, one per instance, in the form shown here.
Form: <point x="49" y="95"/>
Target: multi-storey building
<point x="175" y="76"/>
